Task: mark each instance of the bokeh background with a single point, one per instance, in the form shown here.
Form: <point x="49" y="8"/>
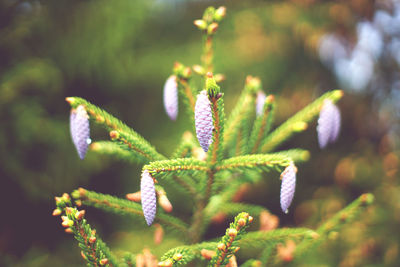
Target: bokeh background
<point x="117" y="54"/>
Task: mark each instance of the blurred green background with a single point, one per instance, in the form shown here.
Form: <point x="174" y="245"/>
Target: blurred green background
<point x="117" y="54"/>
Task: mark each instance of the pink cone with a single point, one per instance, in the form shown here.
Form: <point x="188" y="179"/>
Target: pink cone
<point x="148" y="197"/>
<point x="171" y="97"/>
<point x="328" y="123"/>
<point x="203" y="120"/>
<point x="80" y="130"/>
<point x="288" y="186"/>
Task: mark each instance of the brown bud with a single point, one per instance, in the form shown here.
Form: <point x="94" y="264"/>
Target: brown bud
<point x="58" y="200"/>
<point x="250" y="219"/>
<point x="114" y="135"/>
<point x="134" y="196"/>
<point x="70" y="100"/>
<point x="241" y="222"/>
<point x="270" y="99"/>
<point x="285" y="252"/>
<point x="268" y="221"/>
<point x="69" y="210"/>
<point x="212" y="28"/>
<point x="83" y="255"/>
<point x="220" y="13"/>
<point x="186" y="72"/>
<point x="200" y="24"/>
<point x="219" y="78"/>
<point x="67" y="223"/>
<point x="78" y="203"/>
<point x="66" y="197"/>
<point x="158" y="234"/>
<point x="177" y="257"/>
<point x="207" y="254"/>
<point x="232" y="232"/>
<point x="92" y="239"/>
<point x="103" y="261"/>
<point x="221" y="246"/>
<point x="57" y="212"/>
<point x="164" y="203"/>
<point x="68" y="230"/>
<point x="198" y="69"/>
<point x="80" y="214"/>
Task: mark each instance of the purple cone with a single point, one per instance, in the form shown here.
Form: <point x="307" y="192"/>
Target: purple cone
<point x="80" y="130"/>
<point x="288" y="186"/>
<point x="328" y="123"/>
<point x="260" y="102"/>
<point x="148" y="197"/>
<point x="203" y="120"/>
<point x="171" y="97"/>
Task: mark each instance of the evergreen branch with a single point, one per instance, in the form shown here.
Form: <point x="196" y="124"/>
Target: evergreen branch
<point x="228" y="245"/>
<point x="177" y="257"/>
<point x="262" y="124"/>
<point x="117" y="150"/>
<point x="263" y="161"/>
<point x="125" y="207"/>
<point x="297" y="155"/>
<point x="118" y="130"/>
<point x="345" y="216"/>
<point x="240" y="116"/>
<point x="261" y="239"/>
<point x="162" y="168"/>
<point x="188" y="253"/>
<point x="186" y="92"/>
<point x="208" y="53"/>
<point x="94" y="250"/>
<point x="298" y="121"/>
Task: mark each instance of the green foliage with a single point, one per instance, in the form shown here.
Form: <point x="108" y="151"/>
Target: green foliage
<point x="228" y="244"/>
<point x="237" y="156"/>
<point x="94" y="250"/>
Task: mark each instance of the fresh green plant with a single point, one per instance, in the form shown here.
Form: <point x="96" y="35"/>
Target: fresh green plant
<point x="233" y="152"/>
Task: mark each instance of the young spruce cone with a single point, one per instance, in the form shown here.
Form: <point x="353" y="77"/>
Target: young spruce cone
<point x="80" y="130"/>
<point x="203" y="120"/>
